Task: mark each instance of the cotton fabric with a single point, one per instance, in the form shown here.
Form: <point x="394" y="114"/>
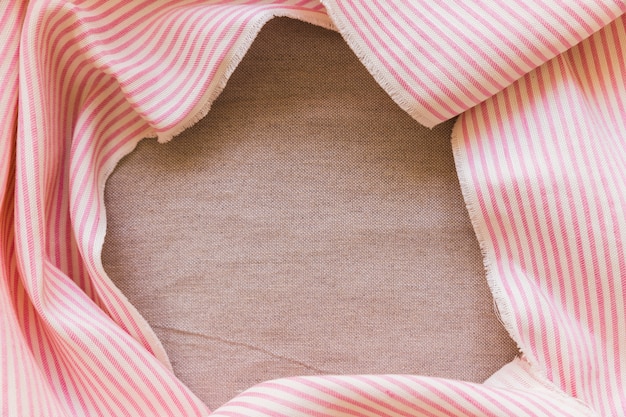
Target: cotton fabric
<point x="326" y="235"/>
<point x="538" y="149"/>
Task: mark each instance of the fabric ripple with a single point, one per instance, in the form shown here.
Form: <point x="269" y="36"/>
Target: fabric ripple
<point x="538" y="147"/>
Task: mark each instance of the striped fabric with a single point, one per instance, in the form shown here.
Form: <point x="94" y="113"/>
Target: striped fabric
<point x="539" y="150"/>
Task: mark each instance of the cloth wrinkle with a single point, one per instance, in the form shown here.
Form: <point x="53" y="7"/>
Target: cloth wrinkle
<point x="243" y="345"/>
<point x="84" y="81"/>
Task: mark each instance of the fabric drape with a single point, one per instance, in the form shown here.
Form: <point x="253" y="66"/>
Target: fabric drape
<point x="539" y="151"/>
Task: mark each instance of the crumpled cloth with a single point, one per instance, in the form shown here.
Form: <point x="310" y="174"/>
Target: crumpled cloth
<point x="539" y="148"/>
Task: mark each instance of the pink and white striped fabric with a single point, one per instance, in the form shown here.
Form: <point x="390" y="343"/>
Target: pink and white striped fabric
<point x="539" y="148"/>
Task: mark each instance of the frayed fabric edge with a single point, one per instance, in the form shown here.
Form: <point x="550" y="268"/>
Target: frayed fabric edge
<point x="238" y="52"/>
<point x="397" y="94"/>
<point x="502" y="308"/>
<point x="204" y="105"/>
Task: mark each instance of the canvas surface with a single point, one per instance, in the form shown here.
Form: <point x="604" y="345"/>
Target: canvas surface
<point x="306" y="226"/>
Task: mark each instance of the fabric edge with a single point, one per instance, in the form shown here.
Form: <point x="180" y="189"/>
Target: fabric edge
<point x="228" y="67"/>
<point x="501" y="307"/>
<point x="203" y="108"/>
<point x="382" y="79"/>
<point x="525" y="365"/>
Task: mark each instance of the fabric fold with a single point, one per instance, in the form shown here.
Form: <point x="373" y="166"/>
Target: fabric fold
<point x="542" y="168"/>
<point x="438" y="59"/>
<point x="84" y="81"/>
<point x="402" y="395"/>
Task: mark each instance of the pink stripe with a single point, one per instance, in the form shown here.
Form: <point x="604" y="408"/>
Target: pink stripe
<point x="310" y="396"/>
<point x="602" y="307"/>
<point x="552" y="226"/>
<point x="319" y="386"/>
<point x="111" y="340"/>
<point x="397" y="62"/>
<point x="190" y="84"/>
